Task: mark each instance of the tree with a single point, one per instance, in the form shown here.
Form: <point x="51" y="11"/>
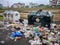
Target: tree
<point x="41" y="5"/>
<point x="27" y="6"/>
<point x="1" y="6"/>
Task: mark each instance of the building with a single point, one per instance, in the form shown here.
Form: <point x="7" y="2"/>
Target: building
<point x="33" y="5"/>
<point x="18" y="5"/>
<point x="54" y="2"/>
<point x="11" y="15"/>
<point x="58" y="2"/>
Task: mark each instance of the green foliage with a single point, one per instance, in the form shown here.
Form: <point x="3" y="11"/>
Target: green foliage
<point x="27" y="9"/>
<point x="58" y="7"/>
<point x="1" y="6"/>
<point x="1" y="17"/>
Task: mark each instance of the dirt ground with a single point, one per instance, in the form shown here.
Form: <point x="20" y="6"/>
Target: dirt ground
<point x="4" y="36"/>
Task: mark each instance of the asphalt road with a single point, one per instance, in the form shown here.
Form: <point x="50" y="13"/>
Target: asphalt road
<point x="4" y="36"/>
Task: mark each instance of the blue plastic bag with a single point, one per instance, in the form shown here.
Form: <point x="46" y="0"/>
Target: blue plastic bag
<point x="16" y="34"/>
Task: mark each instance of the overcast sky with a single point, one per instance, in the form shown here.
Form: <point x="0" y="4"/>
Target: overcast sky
<point x="10" y="2"/>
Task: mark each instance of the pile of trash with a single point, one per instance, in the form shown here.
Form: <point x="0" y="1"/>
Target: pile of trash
<point x="37" y="35"/>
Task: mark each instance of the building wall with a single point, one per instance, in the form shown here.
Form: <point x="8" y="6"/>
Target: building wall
<point x="53" y="2"/>
<point x="58" y="2"/>
<point x="33" y="5"/>
<point x="14" y="6"/>
<point x="18" y="5"/>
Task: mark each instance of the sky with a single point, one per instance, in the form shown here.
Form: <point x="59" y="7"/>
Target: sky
<point x="11" y="2"/>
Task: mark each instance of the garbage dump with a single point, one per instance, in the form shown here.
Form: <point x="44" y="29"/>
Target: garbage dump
<point x="32" y="34"/>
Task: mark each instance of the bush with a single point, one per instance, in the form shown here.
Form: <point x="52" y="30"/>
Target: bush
<point x="1" y="17"/>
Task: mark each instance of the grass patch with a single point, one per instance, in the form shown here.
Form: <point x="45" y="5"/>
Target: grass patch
<point x="26" y="9"/>
<point x="1" y="17"/>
